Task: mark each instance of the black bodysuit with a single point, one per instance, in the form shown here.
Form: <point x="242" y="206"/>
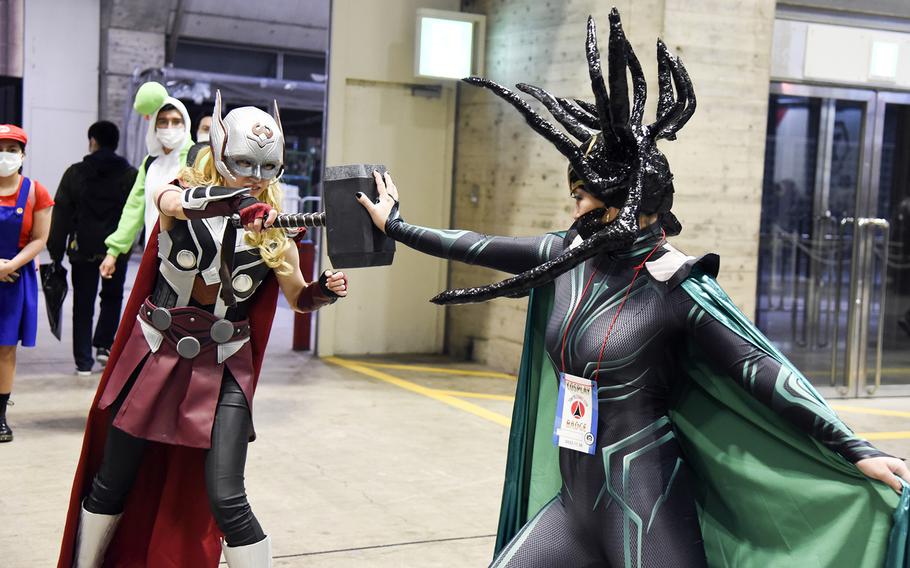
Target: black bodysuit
<point x="631" y="504"/>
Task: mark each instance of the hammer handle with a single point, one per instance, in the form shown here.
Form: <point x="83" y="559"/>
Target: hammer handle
<point x="291" y="220"/>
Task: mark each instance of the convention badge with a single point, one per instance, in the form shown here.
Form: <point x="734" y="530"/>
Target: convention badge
<point x="575" y="427"/>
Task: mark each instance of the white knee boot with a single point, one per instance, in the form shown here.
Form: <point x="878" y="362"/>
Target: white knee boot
<point x="94" y="534"/>
<point x="256" y="555"/>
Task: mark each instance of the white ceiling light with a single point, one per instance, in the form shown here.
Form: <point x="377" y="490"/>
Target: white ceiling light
<point x="883" y="61"/>
<point x="449" y="44"/>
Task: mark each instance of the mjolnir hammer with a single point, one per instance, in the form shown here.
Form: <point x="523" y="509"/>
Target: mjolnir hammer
<point x="353" y="240"/>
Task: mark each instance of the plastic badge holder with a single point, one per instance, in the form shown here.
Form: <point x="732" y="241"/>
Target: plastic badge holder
<point x="353" y="240"/>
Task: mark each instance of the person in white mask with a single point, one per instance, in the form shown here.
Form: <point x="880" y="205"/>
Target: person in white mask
<point x="168" y="141"/>
<point x="25" y="218"/>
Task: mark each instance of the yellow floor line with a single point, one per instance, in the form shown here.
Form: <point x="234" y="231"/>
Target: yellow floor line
<point x="422" y="390"/>
<point x="453" y="397"/>
<point x="874" y="411"/>
<point x="443" y="370"/>
<point x="465" y="394"/>
<point x="884" y="435"/>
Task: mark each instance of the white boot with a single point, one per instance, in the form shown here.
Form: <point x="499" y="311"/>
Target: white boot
<point x="94" y="534"/>
<point x="256" y="555"/>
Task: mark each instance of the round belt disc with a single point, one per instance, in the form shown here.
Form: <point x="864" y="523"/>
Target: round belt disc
<point x="222" y="331"/>
<point x="161" y="319"/>
<point x="186" y="259"/>
<point x="188" y="347"/>
<point x="242" y="283"/>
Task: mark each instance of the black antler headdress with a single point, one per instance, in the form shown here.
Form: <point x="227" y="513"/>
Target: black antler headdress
<point x="617" y="160"/>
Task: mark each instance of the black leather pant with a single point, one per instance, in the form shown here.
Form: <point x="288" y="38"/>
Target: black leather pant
<point x="224" y="466"/>
<point x="85" y="276"/>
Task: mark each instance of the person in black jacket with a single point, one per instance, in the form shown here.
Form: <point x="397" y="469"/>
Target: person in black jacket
<point x="89" y="200"/>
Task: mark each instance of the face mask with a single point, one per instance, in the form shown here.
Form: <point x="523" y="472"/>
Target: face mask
<point x="202" y="137"/>
<point x="591" y="222"/>
<point x="10" y="162"/>
<point x="171" y="138"/>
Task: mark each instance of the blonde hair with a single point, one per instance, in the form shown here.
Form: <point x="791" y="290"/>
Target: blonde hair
<point x="272" y="243"/>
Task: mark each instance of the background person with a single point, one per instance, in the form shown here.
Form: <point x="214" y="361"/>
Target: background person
<point x="202" y="138"/>
<point x="168" y="141"/>
<point x="89" y="202"/>
<point x="25" y="217"/>
<point x="204" y="125"/>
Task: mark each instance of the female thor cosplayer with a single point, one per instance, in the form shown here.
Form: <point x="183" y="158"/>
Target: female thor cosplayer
<point x="173" y="408"/>
<point x="624" y="308"/>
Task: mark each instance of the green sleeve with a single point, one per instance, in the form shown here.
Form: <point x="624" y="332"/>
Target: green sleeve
<point x="184" y="150"/>
<point x="132" y="219"/>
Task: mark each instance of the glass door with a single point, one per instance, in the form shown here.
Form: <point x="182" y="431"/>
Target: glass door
<point x="886" y="301"/>
<point x="834" y="276"/>
<point x="814" y="167"/>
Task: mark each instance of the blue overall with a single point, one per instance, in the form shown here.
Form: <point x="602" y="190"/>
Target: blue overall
<point x="19" y="299"/>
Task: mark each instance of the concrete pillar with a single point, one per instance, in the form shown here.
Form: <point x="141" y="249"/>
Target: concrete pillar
<point x="133" y="37"/>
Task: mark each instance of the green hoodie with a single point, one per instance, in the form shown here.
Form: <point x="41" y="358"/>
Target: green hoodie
<point x="132" y="220"/>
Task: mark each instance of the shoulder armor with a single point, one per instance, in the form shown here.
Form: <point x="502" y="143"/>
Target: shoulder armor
<point x="674" y="266"/>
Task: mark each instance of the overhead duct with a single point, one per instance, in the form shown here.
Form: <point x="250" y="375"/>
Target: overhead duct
<point x="199" y="86"/>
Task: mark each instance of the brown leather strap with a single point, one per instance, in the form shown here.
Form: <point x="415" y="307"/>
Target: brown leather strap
<point x="227" y="264"/>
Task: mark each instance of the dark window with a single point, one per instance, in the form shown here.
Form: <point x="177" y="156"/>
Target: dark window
<point x="303" y="67"/>
<point x="10" y="100"/>
<point x="230" y="60"/>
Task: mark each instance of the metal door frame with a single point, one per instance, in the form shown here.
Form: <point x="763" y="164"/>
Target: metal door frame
<point x="870" y="207"/>
<point x="856" y="363"/>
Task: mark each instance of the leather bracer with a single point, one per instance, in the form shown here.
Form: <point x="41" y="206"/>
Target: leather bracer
<point x="316" y="295"/>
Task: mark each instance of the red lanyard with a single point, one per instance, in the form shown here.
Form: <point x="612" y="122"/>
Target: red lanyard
<point x="663" y="237"/>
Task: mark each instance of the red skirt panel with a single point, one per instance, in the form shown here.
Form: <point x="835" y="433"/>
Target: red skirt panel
<point x="173" y="398"/>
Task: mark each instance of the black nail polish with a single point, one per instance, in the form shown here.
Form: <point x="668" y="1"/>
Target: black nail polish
<point x="359" y="195"/>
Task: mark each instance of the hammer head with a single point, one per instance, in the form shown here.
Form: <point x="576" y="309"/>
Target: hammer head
<point x="353" y="240"/>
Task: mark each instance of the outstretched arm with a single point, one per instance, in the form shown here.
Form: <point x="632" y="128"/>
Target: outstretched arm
<point x="509" y="254"/>
<point x="782" y="389"/>
<point x="212" y="201"/>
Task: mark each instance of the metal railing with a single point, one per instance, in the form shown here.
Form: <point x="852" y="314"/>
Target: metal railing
<point x="841" y="267"/>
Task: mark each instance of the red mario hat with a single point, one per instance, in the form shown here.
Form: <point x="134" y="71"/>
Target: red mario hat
<point x="13" y="132"/>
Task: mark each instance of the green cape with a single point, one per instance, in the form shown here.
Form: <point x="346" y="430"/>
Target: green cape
<point x="768" y="495"/>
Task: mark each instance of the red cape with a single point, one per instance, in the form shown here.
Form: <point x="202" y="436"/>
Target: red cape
<point x="166" y="521"/>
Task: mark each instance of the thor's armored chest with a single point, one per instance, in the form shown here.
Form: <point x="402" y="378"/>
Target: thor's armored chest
<point x="190" y="264"/>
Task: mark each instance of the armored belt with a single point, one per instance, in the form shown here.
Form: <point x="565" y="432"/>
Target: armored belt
<point x="192" y="330"/>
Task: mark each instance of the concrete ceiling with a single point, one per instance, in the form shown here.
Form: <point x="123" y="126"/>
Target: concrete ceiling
<point x="887" y="8"/>
<point x="297" y="25"/>
<point x="307" y="13"/>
